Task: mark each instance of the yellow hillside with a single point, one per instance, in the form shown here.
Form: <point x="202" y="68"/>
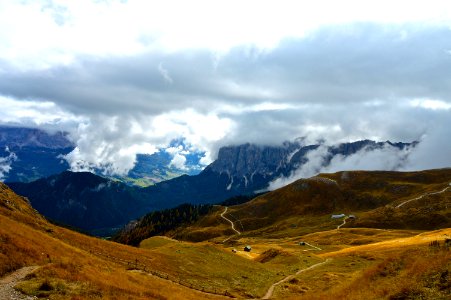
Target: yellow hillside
<point x="296" y="252"/>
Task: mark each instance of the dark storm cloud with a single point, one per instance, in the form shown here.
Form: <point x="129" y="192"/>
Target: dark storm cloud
<point x="348" y="64"/>
<point x="354" y="64"/>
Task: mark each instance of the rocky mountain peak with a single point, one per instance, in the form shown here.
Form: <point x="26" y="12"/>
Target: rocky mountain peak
<point x="32" y="137"/>
<point x="248" y="159"/>
<point x="250" y="166"/>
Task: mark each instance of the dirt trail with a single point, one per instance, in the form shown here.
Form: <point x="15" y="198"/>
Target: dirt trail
<point x="8" y="282"/>
<point x="422" y="196"/>
<point x="344" y="222"/>
<point x="315" y="248"/>
<point x="270" y="291"/>
<point x="231" y="223"/>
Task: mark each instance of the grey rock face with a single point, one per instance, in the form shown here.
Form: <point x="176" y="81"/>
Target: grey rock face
<point x="251" y="167"/>
<point x="243" y="160"/>
<point x="29" y="137"/>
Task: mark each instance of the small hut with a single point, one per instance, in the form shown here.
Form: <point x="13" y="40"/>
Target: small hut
<point x="338" y="216"/>
<point x="248" y="248"/>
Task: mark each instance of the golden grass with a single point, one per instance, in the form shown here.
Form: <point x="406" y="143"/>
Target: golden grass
<point x="399" y="268"/>
<point x="82" y="267"/>
<point x="214" y="268"/>
<point x="412" y="273"/>
<point x="398" y="243"/>
<point x="83" y="273"/>
<point x="74" y="266"/>
<point x="397" y="264"/>
<point x="306" y="205"/>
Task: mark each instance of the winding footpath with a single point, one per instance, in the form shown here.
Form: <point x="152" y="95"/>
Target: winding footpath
<point x="7" y="284"/>
<point x="422" y="196"/>
<point x="231" y="223"/>
<point x="270" y="291"/>
<point x="344" y="222"/>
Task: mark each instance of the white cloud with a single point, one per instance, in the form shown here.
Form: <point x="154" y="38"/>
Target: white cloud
<point x="260" y="107"/>
<point x="315" y="162"/>
<point x="387" y="158"/>
<point x="35" y="113"/>
<point x="178" y="161"/>
<point x="5" y="163"/>
<point x="430" y="104"/>
<point x="434" y="149"/>
<point x="111" y="143"/>
<point x="178" y="157"/>
<point x="165" y="73"/>
<point x="253" y="71"/>
<point x="200" y="132"/>
<point x="38" y="34"/>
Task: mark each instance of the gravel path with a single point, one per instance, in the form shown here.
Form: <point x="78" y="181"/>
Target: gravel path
<point x="422" y="196"/>
<point x="315" y="248"/>
<point x="8" y="282"/>
<point x="231" y="223"/>
<point x="344" y="222"/>
<point x="270" y="291"/>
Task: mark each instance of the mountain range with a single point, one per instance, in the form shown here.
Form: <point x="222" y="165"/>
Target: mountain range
<point x="28" y="154"/>
<point x="85" y="201"/>
<point x="376" y="199"/>
<point x="76" y="199"/>
<point x="247" y="169"/>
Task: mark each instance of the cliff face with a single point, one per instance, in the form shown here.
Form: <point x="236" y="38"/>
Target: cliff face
<point x="29" y="137"/>
<point x="244" y="160"/>
<point x="251" y="167"/>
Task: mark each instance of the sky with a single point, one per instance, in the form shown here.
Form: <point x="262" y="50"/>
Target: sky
<point x="128" y="77"/>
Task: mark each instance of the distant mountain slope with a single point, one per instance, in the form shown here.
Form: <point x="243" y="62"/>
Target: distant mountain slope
<point x="72" y="198"/>
<point x="246" y="169"/>
<point x="307" y="204"/>
<point x="153" y="168"/>
<point x="252" y="167"/>
<point x="19" y="137"/>
<point x="85" y="200"/>
<point x="27" y="154"/>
